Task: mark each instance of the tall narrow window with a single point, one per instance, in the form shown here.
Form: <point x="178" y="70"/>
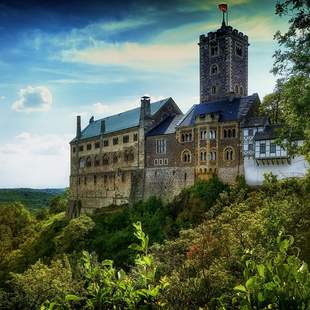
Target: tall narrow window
<point x="186" y="156"/>
<point x="272" y="148"/>
<point x="214" y="69"/>
<point x="213" y="90"/>
<point x="239" y="50"/>
<point x="229" y="154"/>
<point x="161" y="146"/>
<point x="203" y="155"/>
<point x="262" y="148"/>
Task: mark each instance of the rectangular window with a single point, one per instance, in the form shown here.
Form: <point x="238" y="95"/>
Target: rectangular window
<point x="272" y="148"/>
<point x="250" y="147"/>
<point x="135" y="137"/>
<point x="88" y="147"/>
<point x="155" y="162"/>
<point x="125" y="139"/>
<point x="97" y="145"/>
<point x="81" y="148"/>
<point x="262" y="148"/>
<point x="251" y="132"/>
<point x="105" y="142"/>
<point x="166" y="161"/>
<point x="160" y="162"/>
<point x="161" y="146"/>
<point x="73" y="150"/>
<point x="115" y="141"/>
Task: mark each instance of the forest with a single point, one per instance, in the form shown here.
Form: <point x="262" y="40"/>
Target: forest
<point x="214" y="246"/>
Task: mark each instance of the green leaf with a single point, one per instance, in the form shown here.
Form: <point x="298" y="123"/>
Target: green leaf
<point x="240" y="288"/>
<point x="72" y="298"/>
<point x="261" y="270"/>
<point x="250" y="283"/>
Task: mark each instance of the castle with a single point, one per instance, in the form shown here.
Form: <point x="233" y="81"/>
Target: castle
<point x="155" y="149"/>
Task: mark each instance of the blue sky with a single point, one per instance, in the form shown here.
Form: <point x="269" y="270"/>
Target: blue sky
<point x="63" y="58"/>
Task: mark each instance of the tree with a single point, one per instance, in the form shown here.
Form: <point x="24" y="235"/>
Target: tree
<point x="293" y="56"/>
<point x="272" y="106"/>
<point x="292" y="62"/>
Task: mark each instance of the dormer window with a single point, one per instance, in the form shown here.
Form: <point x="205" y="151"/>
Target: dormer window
<point x="214" y="69"/>
<point x="239" y="50"/>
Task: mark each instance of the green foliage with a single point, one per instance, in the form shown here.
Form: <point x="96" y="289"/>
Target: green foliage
<point x="109" y="288"/>
<point x="40" y="283"/>
<point x="280" y="281"/>
<point x="75" y="236"/>
<point x="33" y="199"/>
<point x="293" y="57"/>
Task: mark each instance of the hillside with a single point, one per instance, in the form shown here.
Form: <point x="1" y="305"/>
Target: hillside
<point x="31" y="198"/>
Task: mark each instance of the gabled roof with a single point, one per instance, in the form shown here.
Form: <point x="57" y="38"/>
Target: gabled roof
<point x="255" y="121"/>
<point x="228" y="110"/>
<point x="270" y="132"/>
<point x="167" y="126"/>
<point x="121" y="121"/>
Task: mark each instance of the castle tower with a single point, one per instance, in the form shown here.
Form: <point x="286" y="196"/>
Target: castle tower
<point x="223" y="63"/>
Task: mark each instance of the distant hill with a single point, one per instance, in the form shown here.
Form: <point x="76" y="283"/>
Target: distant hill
<point x="31" y="198"/>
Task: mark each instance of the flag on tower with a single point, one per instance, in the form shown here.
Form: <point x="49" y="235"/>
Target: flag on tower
<point x="223" y="7"/>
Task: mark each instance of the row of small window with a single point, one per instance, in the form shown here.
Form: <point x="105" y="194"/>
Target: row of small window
<point x="238" y="90"/>
<point x="95" y="179"/>
<point x="262" y="148"/>
<point x="229" y="155"/>
<point x="215" y="51"/>
<point x="97" y="144"/>
<point x="161" y="162"/>
<point x="106" y="160"/>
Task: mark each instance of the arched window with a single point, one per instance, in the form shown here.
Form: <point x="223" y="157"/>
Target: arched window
<point x="88" y="162"/>
<point x="115" y="158"/>
<point x="214" y="69"/>
<point x="229" y="154"/>
<point x="186" y="156"/>
<point x="241" y="91"/>
<point x="97" y="161"/>
<point x="213" y="155"/>
<point x="105" y="159"/>
<point x="82" y="163"/>
<point x="236" y="89"/>
<point x="213" y="90"/>
<point x="203" y="155"/>
<point x="203" y="134"/>
<point x="212" y="134"/>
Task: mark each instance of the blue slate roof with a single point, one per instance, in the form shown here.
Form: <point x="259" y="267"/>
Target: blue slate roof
<point x="167" y="126"/>
<point x="121" y="121"/>
<point x="228" y="110"/>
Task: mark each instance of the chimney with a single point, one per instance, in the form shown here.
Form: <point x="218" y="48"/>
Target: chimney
<point x="91" y="120"/>
<point x="145" y="110"/>
<point x="78" y="127"/>
<point x="102" y="126"/>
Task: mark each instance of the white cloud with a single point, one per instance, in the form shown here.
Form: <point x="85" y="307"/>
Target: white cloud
<point x="35" y="161"/>
<point x="153" y="57"/>
<point x="100" y="108"/>
<point x="2" y="97"/>
<point x="33" y="99"/>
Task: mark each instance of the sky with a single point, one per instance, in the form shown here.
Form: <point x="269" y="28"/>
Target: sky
<point x="59" y="59"/>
